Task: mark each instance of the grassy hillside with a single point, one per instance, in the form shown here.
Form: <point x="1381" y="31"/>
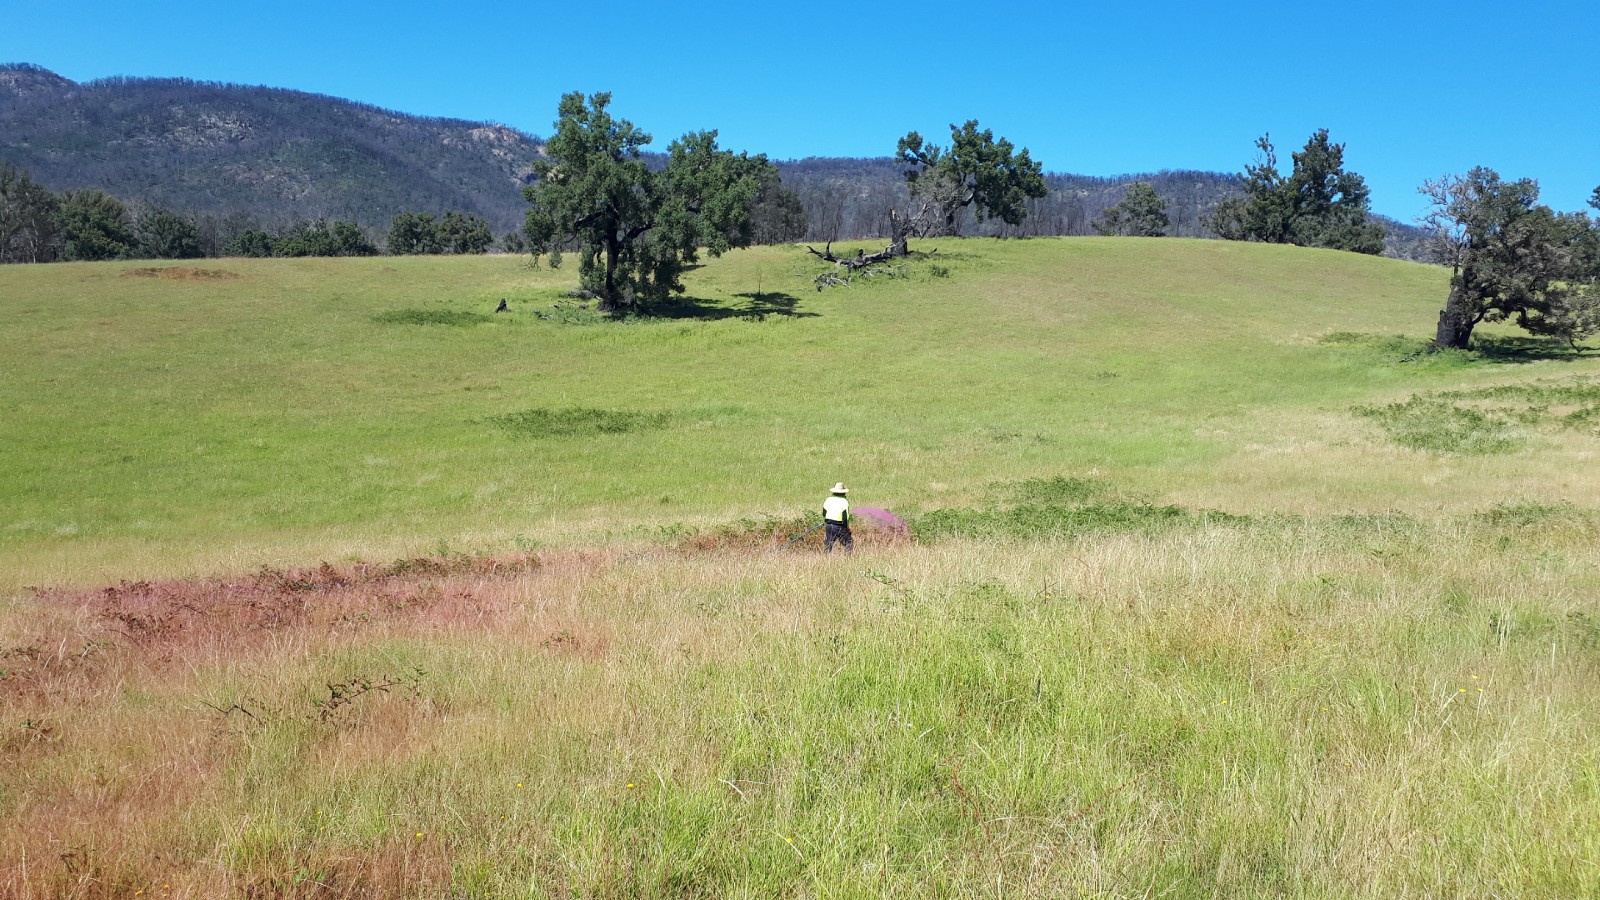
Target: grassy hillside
<point x="1219" y="586"/>
<point x="281" y="411"/>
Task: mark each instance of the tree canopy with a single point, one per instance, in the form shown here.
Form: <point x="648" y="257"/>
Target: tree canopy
<point x="306" y="238"/>
<point x="1511" y="258"/>
<point x="464" y="233"/>
<point x="164" y="234"/>
<point x="95" y="225"/>
<point x="1142" y="213"/>
<point x="414" y="233"/>
<point x="1318" y="204"/>
<point x="977" y="171"/>
<point x="636" y="230"/>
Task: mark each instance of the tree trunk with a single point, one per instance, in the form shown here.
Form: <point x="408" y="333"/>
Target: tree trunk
<point x="899" y="235"/>
<point x="609" y="302"/>
<point x="1456" y="322"/>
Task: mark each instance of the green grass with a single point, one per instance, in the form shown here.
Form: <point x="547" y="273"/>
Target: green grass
<point x="1486" y="420"/>
<point x="549" y="423"/>
<point x="431" y="317"/>
<point x="1423" y="423"/>
<point x="170" y="425"/>
<point x="1214" y="589"/>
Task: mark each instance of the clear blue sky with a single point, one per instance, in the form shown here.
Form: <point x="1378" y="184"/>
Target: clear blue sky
<point x="1414" y="88"/>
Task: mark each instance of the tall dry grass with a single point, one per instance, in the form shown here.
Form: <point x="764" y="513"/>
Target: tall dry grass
<point x="1354" y="707"/>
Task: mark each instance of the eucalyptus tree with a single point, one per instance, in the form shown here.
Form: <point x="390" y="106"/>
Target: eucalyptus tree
<point x="977" y="172"/>
<point x="414" y="233"/>
<point x="1510" y="258"/>
<point x="1318" y="204"/>
<point x="464" y="233"/>
<point x="636" y="230"/>
<point x="1142" y="213"/>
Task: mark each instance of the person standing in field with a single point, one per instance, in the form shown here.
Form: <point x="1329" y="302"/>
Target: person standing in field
<point x="836" y="518"/>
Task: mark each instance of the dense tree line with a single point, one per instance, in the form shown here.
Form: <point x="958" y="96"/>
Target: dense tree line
<point x="777" y="216"/>
<point x="304" y="238"/>
<point x="83" y="224"/>
<point x="37" y="225"/>
<point x="847" y="199"/>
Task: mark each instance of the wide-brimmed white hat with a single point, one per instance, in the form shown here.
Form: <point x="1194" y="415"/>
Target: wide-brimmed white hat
<point x="840" y="488"/>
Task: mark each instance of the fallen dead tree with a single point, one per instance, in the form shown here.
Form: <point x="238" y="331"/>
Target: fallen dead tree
<point x="862" y="259"/>
<point x="864" y="264"/>
<point x="903" y="229"/>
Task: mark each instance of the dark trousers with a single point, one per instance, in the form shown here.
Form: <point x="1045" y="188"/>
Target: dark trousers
<point x="838" y="531"/>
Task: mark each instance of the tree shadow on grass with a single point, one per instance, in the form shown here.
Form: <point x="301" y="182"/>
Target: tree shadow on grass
<point x="1519" y="349"/>
<point x="757" y="307"/>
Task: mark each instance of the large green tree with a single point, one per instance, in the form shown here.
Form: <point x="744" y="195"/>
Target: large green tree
<point x="635" y="230"/>
<point x="977" y="172"/>
<point x="464" y="233"/>
<point x="349" y="239"/>
<point x="95" y="225"/>
<point x="1318" y="204"/>
<point x="1511" y="257"/>
<point x="1587" y="260"/>
<point x="164" y="234"/>
<point x="413" y="233"/>
<point x="1142" y="213"/>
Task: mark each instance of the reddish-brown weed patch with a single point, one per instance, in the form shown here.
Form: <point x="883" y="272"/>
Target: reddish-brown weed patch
<point x="159" y="623"/>
<point x="104" y="829"/>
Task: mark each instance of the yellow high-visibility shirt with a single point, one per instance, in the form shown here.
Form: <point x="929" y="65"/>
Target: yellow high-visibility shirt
<point x="836" y="509"/>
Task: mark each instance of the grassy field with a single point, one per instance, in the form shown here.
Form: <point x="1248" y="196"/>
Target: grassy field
<point x="1218" y="585"/>
<point x="288" y="411"/>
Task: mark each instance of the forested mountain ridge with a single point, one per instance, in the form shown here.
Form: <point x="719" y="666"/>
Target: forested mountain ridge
<point x="847" y="198"/>
<point x="276" y="155"/>
<point x="268" y="157"/>
<point x="852" y="197"/>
